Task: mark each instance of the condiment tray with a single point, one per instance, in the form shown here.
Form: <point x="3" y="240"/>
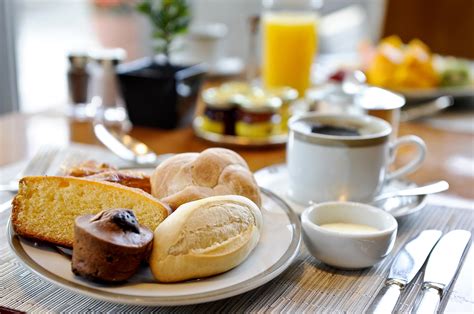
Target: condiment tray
<point x="230" y="140"/>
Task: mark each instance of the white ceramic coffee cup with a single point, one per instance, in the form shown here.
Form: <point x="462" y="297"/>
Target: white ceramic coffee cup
<point x="331" y="167"/>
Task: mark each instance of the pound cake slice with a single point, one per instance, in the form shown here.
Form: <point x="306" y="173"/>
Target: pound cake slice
<point x="46" y="206"/>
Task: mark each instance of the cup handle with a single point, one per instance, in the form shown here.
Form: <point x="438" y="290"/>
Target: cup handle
<point x="414" y="163"/>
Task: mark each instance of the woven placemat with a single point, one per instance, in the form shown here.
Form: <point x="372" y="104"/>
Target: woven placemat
<point x="307" y="285"/>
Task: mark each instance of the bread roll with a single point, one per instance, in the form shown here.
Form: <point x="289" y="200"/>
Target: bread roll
<point x="205" y="238"/>
<point x="191" y="176"/>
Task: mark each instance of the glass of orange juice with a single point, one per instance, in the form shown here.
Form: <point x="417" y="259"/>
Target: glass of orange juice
<point x="289" y="43"/>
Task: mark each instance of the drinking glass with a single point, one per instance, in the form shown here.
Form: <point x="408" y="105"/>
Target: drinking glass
<point x="289" y="42"/>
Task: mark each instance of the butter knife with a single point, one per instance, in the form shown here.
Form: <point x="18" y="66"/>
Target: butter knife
<point x="441" y="268"/>
<point x="404" y="268"/>
<point x="127" y="147"/>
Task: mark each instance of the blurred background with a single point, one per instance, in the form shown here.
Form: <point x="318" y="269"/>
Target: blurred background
<point x="36" y="35"/>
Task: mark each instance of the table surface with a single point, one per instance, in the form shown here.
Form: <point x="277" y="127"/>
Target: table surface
<point x="307" y="285"/>
<point x="450" y="153"/>
<point x="450" y="157"/>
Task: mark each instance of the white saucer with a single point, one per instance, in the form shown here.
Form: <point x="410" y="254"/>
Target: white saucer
<point x="228" y="66"/>
<point x="222" y="67"/>
<point x="275" y="178"/>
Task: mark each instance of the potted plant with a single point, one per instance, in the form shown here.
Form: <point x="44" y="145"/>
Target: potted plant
<point x="156" y="92"/>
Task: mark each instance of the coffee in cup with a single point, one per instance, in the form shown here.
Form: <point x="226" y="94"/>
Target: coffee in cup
<point x="343" y="157"/>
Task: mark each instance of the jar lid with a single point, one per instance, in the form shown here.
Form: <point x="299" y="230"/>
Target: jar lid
<point x="285" y="93"/>
<point x="108" y="56"/>
<point x="375" y="98"/>
<point x="78" y="59"/>
<point x="217" y="98"/>
<point x="260" y="102"/>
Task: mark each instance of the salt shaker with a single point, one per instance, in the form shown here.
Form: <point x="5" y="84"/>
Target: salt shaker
<point x="106" y="98"/>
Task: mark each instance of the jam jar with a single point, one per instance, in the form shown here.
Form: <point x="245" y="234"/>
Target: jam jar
<point x="287" y="95"/>
<point x="258" y="115"/>
<point x="220" y="111"/>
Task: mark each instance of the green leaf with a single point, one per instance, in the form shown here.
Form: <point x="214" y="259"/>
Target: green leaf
<point x="168" y="18"/>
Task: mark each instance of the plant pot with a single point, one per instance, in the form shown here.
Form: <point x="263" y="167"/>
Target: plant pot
<point x="157" y="95"/>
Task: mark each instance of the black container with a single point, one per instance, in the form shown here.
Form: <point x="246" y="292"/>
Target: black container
<point x="159" y="95"/>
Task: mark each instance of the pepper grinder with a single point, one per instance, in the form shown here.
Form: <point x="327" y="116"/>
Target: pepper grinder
<point x="78" y="77"/>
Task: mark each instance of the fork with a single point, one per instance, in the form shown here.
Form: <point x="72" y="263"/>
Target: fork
<point x="38" y="165"/>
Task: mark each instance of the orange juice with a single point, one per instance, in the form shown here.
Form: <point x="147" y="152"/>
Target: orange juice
<point x="289" y="46"/>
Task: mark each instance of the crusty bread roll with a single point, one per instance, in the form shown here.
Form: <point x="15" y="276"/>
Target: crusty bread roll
<point x="192" y="176"/>
<point x="205" y="238"/>
<point x="45" y="207"/>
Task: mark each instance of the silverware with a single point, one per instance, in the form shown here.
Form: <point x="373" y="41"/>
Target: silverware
<point x="127" y="147"/>
<point x="355" y="83"/>
<point x="38" y="165"/>
<point x="441" y="268"/>
<point x="432" y="188"/>
<point x="427" y="109"/>
<point x="404" y="268"/>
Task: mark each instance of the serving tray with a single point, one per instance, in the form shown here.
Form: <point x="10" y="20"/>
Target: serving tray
<point x="230" y="140"/>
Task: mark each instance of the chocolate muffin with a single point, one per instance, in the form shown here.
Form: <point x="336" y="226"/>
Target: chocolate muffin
<point x="109" y="246"/>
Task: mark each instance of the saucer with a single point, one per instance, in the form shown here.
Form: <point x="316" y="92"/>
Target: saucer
<point x="275" y="178"/>
<point x="219" y="68"/>
<point x="228" y="66"/>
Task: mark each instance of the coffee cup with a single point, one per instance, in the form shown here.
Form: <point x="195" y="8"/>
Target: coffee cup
<point x="343" y="157"/>
<point x="202" y="45"/>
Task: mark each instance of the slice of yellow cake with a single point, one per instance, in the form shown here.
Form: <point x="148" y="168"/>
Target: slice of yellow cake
<point x="46" y="206"/>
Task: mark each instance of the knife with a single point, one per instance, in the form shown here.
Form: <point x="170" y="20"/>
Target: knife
<point x="404" y="268"/>
<point x="441" y="268"/>
<point x="127" y="147"/>
<point x="428" y="109"/>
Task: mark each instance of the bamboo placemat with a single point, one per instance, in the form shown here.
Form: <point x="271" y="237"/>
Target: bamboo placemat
<point x="307" y="285"/>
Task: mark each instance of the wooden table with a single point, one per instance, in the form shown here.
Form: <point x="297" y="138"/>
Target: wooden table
<point x="450" y="155"/>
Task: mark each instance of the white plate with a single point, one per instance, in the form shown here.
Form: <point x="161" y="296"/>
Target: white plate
<point x="275" y="178"/>
<point x="327" y="64"/>
<point x="278" y="246"/>
<point x="420" y="94"/>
